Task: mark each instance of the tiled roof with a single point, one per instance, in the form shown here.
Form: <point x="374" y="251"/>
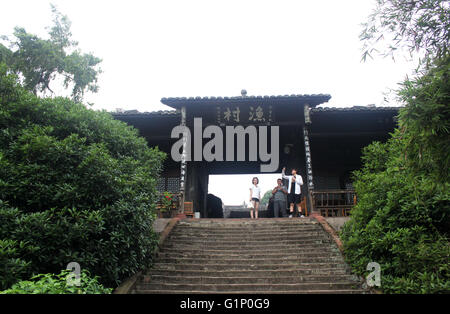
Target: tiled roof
<point x="315" y="99"/>
<point x="313" y="110"/>
<point x="355" y="109"/>
<point x="147" y="113"/>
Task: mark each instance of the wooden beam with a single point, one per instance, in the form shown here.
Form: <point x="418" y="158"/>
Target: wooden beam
<point x="348" y="134"/>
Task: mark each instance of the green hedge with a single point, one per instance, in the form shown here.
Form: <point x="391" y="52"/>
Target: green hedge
<point x="76" y="185"/>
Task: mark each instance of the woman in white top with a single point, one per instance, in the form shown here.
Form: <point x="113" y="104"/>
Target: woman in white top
<point x="255" y="196"/>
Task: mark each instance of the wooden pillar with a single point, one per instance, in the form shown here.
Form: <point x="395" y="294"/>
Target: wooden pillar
<point x="183" y="170"/>
<point x="309" y="173"/>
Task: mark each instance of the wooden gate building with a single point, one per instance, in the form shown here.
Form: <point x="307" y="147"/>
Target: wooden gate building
<point x="323" y="143"/>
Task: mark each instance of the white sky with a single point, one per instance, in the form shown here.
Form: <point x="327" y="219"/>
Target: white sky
<point x="235" y="189"/>
<point x="173" y="48"/>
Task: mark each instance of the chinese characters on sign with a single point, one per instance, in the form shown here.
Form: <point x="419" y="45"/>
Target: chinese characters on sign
<point x="234" y="115"/>
<point x="257" y="114"/>
<point x="309" y="174"/>
<point x="249" y="115"/>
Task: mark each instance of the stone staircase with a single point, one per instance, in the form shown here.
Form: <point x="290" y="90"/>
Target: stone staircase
<point x="248" y="256"/>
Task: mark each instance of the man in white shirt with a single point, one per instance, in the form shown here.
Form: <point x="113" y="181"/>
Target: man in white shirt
<point x="294" y="190"/>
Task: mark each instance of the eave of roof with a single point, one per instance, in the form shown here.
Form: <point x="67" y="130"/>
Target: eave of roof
<point x="175" y="113"/>
<point x="313" y="100"/>
<point x="354" y="109"/>
<point x="160" y="113"/>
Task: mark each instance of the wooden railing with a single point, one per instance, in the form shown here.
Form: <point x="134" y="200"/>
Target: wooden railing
<point x="337" y="203"/>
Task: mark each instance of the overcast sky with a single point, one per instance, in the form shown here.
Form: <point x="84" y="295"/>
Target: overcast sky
<point x="168" y="48"/>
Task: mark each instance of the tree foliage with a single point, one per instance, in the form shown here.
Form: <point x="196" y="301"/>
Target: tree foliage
<point x="76" y="185"/>
<point x="417" y="25"/>
<point x="402" y="219"/>
<point x="41" y="61"/>
<point x="425" y="120"/>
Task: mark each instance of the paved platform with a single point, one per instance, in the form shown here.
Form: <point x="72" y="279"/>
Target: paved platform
<point x="160" y="223"/>
<point x="337" y="222"/>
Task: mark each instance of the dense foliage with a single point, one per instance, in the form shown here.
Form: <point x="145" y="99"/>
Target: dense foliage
<point x="57" y="284"/>
<point x="40" y="61"/>
<point x="402" y="219"/>
<point x="76" y="185"/>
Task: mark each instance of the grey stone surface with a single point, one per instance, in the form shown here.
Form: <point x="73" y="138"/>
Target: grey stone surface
<point x="337" y="222"/>
<point x="248" y="256"/>
<point x="159" y="224"/>
<point x="238" y="211"/>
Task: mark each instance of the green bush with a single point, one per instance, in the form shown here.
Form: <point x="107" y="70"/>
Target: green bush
<point x="402" y="219"/>
<point x="12" y="263"/>
<point x="58" y="284"/>
<point x="395" y="224"/>
<point x="76" y="185"/>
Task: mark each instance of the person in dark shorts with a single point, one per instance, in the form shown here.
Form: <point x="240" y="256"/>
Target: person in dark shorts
<point x="294" y="190"/>
<point x="255" y="196"/>
<point x="279" y="199"/>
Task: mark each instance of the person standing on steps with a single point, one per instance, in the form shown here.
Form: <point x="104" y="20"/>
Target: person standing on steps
<point x="279" y="199"/>
<point x="255" y="196"/>
<point x="294" y="190"/>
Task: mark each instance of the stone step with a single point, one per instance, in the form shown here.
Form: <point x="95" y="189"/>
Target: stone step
<point x="254" y="246"/>
<point x="187" y="292"/>
<point x="287" y="250"/>
<point x="248" y="256"/>
<point x="248" y="280"/>
<point x="301" y="238"/>
<point x="266" y="228"/>
<point x="280" y="233"/>
<point x="249" y="223"/>
<point x="345" y="285"/>
<point x="242" y="233"/>
<point x="223" y="233"/>
<point x="251" y="242"/>
<point x="285" y="272"/>
<point x="246" y="221"/>
<point x="249" y="236"/>
<point x="245" y="255"/>
<point x="248" y="267"/>
<point x="253" y="261"/>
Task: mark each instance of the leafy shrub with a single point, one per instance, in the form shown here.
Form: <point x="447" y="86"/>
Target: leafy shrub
<point x="402" y="219"/>
<point x="12" y="265"/>
<point x="76" y="185"/>
<point x="57" y="284"/>
<point x="167" y="201"/>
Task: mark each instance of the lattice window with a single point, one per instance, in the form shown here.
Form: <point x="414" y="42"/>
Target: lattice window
<point x="161" y="185"/>
<point x="173" y="185"/>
